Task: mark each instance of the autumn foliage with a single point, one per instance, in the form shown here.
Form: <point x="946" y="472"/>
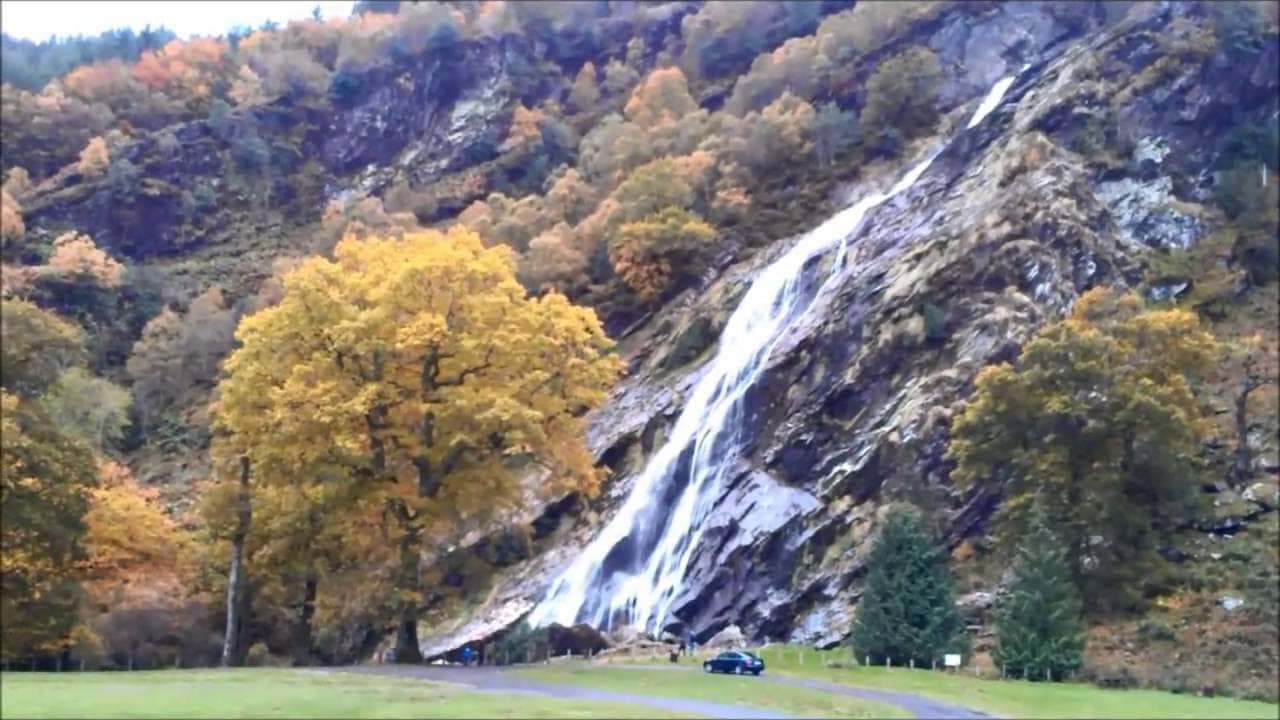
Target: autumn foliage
<point x="76" y="257"/>
<point x="93" y="158"/>
<point x="45" y="476"/>
<point x="1098" y="419"/>
<point x="11" y="225"/>
<point x="417" y="371"/>
<point x="265" y="331"/>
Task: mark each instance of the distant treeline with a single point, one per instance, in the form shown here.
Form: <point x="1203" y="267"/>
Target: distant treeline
<point x="29" y="65"/>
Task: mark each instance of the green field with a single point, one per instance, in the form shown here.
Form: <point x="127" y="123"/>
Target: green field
<point x="729" y="689"/>
<point x="264" y="692"/>
<point x="284" y="693"/>
<point x="1015" y="698"/>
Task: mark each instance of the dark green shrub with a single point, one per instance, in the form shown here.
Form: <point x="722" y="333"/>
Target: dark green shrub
<point x="1239" y="28"/>
<point x="1110" y="676"/>
<point x="935" y="323"/>
<point x="345" y="86"/>
<point x="521" y="644"/>
<point x="1155" y="630"/>
<point x="696" y="338"/>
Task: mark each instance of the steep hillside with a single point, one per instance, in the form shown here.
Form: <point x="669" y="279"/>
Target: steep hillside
<point x="652" y="161"/>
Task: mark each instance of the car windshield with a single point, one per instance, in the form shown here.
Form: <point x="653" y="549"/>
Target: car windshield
<point x="748" y="655"/>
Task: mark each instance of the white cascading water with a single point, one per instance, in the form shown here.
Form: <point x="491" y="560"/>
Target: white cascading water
<point x="632" y="571"/>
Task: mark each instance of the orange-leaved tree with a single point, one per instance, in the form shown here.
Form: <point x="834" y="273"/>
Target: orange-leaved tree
<point x="418" y="366"/>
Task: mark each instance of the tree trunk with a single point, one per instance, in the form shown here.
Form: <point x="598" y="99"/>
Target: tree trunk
<point x="232" y="653"/>
<point x="302" y="645"/>
<point x="407" y="650"/>
<point x="244" y="636"/>
<point x="1077" y="540"/>
<point x="1242" y="463"/>
<point x="230" y="634"/>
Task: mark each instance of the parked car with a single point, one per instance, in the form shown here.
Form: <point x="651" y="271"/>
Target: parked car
<point x="737" y="662"/>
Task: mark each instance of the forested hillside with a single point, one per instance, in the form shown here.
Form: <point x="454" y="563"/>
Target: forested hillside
<point x="328" y="312"/>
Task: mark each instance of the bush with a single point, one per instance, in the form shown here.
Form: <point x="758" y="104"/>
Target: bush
<point x="935" y="323"/>
<point x="1155" y="630"/>
<point x="1253" y="207"/>
<point x="834" y="132"/>
<point x="886" y="143"/>
<point x="1239" y="27"/>
<point x="1110" y="676"/>
<point x="1090" y="139"/>
<point x="345" y="86"/>
<point x="508" y="548"/>
<point x="1239" y="191"/>
<point x="250" y="152"/>
<point x="124" y="181"/>
<point x="521" y="643"/>
<point x="696" y="338"/>
<point x="1256" y="142"/>
<point x="903" y="93"/>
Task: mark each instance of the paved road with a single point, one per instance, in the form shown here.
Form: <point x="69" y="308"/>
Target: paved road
<point x="495" y="680"/>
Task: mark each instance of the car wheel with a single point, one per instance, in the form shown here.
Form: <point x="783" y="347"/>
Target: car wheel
<point x="756" y="673"/>
<point x="707" y="667"/>
<point x="737" y="670"/>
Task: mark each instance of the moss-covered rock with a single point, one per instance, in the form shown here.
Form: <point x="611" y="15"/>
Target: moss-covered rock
<point x="692" y="341"/>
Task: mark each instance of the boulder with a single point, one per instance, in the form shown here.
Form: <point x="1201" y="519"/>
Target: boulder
<point x="975" y="605"/>
<point x="626" y="635"/>
<point x="1265" y="495"/>
<point x="729" y="638"/>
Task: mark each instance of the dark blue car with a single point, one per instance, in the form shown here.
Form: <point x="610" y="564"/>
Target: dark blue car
<point x="738" y="662"/>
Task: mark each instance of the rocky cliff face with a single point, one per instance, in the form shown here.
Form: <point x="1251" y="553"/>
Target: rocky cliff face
<point x="1002" y="232"/>
<point x="435" y="114"/>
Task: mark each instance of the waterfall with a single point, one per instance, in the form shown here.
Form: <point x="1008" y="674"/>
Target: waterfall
<point x="632" y="571"/>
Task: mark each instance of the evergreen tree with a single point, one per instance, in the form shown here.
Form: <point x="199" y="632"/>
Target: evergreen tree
<point x="1038" y="628"/>
<point x="907" y="611"/>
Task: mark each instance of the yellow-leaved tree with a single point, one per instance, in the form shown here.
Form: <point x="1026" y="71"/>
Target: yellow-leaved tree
<point x="420" y="368"/>
<point x="45" y="478"/>
<point x="1099" y="420"/>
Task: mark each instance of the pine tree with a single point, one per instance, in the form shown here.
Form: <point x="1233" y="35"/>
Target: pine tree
<point x="907" y="611"/>
<point x="1038" y="629"/>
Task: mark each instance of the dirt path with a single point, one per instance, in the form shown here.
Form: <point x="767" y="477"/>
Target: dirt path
<point x="494" y="680"/>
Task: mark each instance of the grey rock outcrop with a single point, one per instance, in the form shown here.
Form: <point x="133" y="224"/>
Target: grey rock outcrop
<point x="1000" y="235"/>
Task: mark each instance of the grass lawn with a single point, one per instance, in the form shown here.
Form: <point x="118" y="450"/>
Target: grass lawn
<point x="276" y="693"/>
<point x="731" y="689"/>
<point x="1015" y="698"/>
